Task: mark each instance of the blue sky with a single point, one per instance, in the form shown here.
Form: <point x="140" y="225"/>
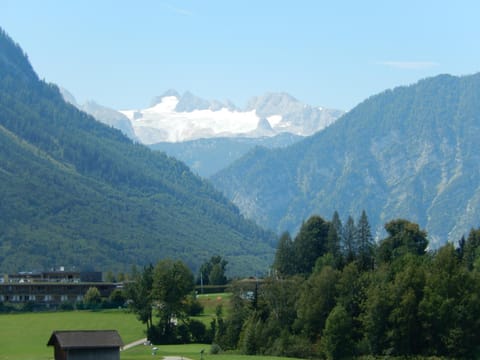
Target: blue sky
<point x="328" y="53"/>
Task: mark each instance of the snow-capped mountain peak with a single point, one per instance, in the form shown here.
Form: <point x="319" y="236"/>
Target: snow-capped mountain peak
<point x="175" y="118"/>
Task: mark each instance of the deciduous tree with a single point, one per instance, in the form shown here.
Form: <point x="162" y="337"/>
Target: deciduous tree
<point x="172" y="282"/>
<point x="310" y="243"/>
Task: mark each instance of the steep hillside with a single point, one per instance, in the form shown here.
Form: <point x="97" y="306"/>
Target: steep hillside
<point x="75" y="192"/>
<point x="103" y="114"/>
<point x="411" y="152"/>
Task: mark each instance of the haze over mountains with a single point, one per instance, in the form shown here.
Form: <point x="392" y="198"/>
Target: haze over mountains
<point x="77" y="193"/>
<point x="412" y="152"/>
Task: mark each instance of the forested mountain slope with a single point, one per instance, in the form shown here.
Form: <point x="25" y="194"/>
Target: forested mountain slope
<point x="75" y="192"/>
<point x="208" y="156"/>
<point x="411" y="152"/>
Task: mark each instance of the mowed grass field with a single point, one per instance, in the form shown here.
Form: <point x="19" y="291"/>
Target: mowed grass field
<point x="190" y="351"/>
<point x="25" y="336"/>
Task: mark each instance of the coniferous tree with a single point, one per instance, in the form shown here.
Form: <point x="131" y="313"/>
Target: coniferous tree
<point x="470" y="251"/>
<point x="349" y="239"/>
<point x="333" y="239"/>
<point x="364" y="240"/>
<point x="461" y="247"/>
<point x="337" y="224"/>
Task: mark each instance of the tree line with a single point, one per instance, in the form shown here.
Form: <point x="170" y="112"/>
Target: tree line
<point x="334" y="293"/>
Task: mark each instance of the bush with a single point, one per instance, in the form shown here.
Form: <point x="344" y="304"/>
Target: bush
<point x="198" y="332"/>
<point x="194" y="308"/>
<point x="215" y="349"/>
<point x="117" y="298"/>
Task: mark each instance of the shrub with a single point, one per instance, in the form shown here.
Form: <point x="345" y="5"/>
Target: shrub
<point x="215" y="349"/>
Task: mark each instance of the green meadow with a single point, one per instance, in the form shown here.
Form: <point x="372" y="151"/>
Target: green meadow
<point x="24" y="336"/>
<point x="191" y="351"/>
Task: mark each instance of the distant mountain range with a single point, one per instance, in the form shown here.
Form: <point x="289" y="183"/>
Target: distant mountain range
<point x="77" y="193"/>
<point x="210" y="135"/>
<point x="103" y="114"/>
<point x="178" y="118"/>
<point x="412" y="152"/>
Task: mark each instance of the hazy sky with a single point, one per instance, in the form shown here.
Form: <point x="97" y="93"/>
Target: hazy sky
<point x="330" y="53"/>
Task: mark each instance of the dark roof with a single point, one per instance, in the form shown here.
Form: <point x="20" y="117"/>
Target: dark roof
<point x="77" y="339"/>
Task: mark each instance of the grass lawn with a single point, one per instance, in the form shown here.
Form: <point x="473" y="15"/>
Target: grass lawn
<point x="25" y="336"/>
<point x="191" y="351"/>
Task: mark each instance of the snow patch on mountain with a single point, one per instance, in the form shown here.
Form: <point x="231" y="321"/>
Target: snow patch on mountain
<point x="162" y="122"/>
<point x="175" y="118"/>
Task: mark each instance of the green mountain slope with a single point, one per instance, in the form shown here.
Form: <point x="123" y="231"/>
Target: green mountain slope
<point x="411" y="152"/>
<point x="208" y="156"/>
<point x="75" y="192"/>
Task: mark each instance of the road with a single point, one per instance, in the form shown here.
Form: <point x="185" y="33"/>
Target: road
<point x="135" y="343"/>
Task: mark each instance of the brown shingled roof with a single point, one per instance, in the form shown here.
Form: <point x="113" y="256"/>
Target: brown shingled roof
<point x="78" y="339"/>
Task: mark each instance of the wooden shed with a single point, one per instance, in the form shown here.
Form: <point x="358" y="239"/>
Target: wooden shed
<point x="86" y="345"/>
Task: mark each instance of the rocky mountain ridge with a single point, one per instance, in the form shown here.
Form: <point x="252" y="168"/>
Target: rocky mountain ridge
<point x="411" y="152"/>
<point x="176" y="118"/>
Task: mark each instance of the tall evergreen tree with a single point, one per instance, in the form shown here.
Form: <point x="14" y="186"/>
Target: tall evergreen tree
<point x="471" y="248"/>
<point x="337" y="224"/>
<point x="461" y="247"/>
<point x="364" y="240"/>
<point x="333" y="239"/>
<point x="349" y="239"/>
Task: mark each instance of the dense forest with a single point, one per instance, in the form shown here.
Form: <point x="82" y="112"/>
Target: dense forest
<point x="334" y="293"/>
<point x="77" y="193"/>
